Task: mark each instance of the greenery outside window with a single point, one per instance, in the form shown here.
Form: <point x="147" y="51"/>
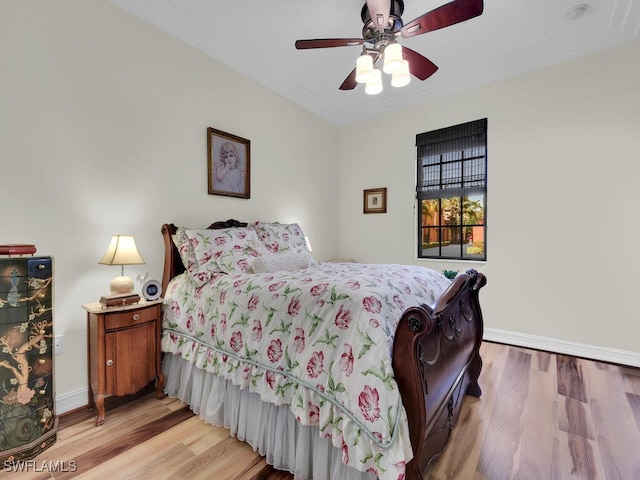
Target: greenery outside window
<point x="452" y="192"/>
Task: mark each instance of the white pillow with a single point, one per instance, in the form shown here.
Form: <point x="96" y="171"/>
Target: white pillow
<point x="281" y="261"/>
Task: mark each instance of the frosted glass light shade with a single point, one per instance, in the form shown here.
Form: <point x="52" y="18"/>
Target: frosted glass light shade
<point x="401" y="77"/>
<point x="374" y="84"/>
<point x="392" y="58"/>
<point x="364" y="68"/>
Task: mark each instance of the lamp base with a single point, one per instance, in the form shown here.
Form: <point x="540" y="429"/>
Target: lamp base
<point x="121" y="285"/>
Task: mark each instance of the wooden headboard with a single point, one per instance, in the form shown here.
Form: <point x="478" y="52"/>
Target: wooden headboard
<point x="172" y="262"/>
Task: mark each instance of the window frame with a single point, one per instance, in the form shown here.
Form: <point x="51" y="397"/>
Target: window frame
<point x="441" y="184"/>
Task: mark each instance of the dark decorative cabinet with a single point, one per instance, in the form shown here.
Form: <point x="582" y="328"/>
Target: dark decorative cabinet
<point x="28" y="422"/>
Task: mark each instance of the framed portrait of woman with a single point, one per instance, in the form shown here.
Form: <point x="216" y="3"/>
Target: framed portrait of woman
<point x="228" y="164"/>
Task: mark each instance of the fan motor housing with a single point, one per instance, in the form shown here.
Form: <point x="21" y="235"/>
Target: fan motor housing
<point x="394" y="25"/>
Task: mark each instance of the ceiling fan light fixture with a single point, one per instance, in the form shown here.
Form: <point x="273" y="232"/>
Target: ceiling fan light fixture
<point x="401" y="77"/>
<point x="392" y="58"/>
<point x="374" y="84"/>
<point x="364" y="68"/>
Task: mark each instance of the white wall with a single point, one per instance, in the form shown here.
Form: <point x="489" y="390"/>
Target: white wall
<point x="103" y="130"/>
<point x="563" y="169"/>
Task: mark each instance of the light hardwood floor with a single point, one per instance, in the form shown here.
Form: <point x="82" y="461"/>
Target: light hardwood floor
<point x="541" y="416"/>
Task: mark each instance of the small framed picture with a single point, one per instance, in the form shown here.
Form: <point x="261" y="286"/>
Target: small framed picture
<point x="228" y="164"/>
<point x="375" y="200"/>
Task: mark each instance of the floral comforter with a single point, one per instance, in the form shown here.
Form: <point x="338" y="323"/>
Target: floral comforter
<point x="317" y="339"/>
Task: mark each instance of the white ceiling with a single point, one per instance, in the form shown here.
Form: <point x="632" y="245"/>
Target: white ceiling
<point x="256" y="38"/>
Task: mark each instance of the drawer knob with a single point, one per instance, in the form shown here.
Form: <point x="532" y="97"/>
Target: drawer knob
<point x="109" y="363"/>
<point x="41" y="361"/>
<point x="136" y="317"/>
<point x="41" y="266"/>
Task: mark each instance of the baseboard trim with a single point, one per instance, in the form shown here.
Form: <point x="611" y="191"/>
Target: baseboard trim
<point x="72" y="401"/>
<point x="536" y="342"/>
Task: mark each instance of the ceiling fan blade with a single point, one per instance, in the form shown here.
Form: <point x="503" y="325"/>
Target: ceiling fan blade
<point x="379" y="12"/>
<point x="444" y="16"/>
<point x="328" y="42"/>
<point x="349" y="82"/>
<point x="419" y="66"/>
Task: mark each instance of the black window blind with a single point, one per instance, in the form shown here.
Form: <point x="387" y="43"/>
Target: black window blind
<point x="452" y="161"/>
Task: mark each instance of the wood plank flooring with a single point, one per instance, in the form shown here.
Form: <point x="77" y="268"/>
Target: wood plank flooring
<point x="541" y="416"/>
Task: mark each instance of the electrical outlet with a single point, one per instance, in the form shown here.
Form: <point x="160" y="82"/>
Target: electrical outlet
<point x="58" y="345"/>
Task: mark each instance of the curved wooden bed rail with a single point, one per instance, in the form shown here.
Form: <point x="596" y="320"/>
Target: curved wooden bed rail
<point x="172" y="263"/>
<point x="436" y="361"/>
<point x="436" y="356"/>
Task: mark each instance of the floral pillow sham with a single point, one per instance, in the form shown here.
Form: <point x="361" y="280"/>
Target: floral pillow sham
<point x="222" y="250"/>
<point x="280" y="237"/>
<point x="241" y="249"/>
<point x="185" y="249"/>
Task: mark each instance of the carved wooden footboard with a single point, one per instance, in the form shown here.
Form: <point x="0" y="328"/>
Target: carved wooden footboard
<point x="436" y="361"/>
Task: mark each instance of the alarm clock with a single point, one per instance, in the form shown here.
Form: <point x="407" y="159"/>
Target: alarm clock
<point x="151" y="290"/>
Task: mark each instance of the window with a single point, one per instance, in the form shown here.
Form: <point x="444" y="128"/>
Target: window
<point x="452" y="192"/>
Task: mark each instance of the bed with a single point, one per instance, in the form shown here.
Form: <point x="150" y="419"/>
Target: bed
<point x="329" y="370"/>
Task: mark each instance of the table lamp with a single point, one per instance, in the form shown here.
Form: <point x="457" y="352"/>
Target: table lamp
<point x="122" y="251"/>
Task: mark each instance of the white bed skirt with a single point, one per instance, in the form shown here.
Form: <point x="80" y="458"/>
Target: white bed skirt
<point x="270" y="429"/>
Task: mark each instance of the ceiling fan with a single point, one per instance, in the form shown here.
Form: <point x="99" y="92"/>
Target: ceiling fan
<point x="382" y="25"/>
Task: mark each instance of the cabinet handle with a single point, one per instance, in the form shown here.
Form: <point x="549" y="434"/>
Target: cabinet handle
<point x="136" y="317"/>
<point x="109" y="363"/>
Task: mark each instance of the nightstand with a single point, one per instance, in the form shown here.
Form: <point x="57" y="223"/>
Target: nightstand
<point x="123" y="344"/>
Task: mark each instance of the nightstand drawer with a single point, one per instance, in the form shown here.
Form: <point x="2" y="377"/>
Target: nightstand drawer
<point x="114" y="321"/>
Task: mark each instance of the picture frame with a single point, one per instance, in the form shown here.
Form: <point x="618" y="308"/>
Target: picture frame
<point x="228" y="164"/>
<point x="375" y="200"/>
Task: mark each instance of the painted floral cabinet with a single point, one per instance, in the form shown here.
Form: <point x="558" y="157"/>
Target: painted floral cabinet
<point x="28" y="422"/>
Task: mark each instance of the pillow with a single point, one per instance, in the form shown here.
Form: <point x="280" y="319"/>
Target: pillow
<point x="281" y="261"/>
<point x="240" y="261"/>
<point x="220" y="250"/>
<point x="281" y="237"/>
<point x="183" y="244"/>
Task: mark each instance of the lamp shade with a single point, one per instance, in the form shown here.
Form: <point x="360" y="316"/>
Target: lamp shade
<point x="122" y="251"/>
